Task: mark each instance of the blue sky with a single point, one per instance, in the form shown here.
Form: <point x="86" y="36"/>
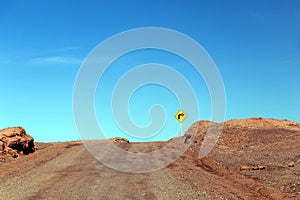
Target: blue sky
<point x="255" y="44"/>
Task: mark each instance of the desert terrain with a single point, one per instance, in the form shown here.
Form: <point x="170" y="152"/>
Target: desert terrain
<point x="254" y="158"/>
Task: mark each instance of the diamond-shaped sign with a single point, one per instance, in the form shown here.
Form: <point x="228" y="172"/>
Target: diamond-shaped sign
<point x="180" y="116"/>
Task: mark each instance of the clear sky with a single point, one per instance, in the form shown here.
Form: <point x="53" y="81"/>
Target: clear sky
<point x="255" y="44"/>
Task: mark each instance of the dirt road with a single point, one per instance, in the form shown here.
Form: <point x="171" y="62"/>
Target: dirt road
<point x="68" y="171"/>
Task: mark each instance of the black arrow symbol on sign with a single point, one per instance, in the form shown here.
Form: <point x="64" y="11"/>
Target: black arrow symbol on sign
<point x="180" y="115"/>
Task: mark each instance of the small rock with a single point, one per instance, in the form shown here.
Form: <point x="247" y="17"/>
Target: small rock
<point x="15" y="155"/>
<point x="261" y="167"/>
<point x="291" y="164"/>
<point x="255" y="168"/>
<point x="245" y="167"/>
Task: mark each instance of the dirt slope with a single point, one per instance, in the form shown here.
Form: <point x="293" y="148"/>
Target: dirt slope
<point x="68" y="171"/>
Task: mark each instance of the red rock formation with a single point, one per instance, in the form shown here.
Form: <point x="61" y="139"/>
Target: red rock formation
<point x="14" y="141"/>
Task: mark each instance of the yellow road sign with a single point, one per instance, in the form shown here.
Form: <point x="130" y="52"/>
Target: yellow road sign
<point x="180" y="116"/>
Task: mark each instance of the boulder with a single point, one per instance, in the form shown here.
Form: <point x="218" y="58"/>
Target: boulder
<point x="14" y="141"/>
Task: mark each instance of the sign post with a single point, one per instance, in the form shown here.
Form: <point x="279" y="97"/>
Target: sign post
<point x="180" y="116"/>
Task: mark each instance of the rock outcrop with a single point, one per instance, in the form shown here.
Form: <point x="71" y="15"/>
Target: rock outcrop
<point x="118" y="140"/>
<point x="14" y="141"/>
